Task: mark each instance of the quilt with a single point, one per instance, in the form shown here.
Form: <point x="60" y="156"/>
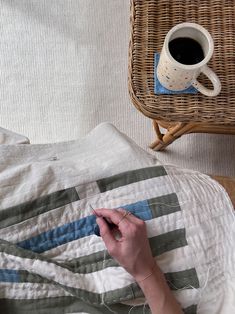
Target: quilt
<point x="51" y="261"/>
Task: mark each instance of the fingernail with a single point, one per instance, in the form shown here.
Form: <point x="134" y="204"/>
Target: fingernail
<point x="98" y="219"/>
<point x="120" y="209"/>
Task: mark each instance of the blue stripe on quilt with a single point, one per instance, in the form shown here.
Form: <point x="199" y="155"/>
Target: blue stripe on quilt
<point x="140" y="209"/>
<point x="9" y="275"/>
<point x="77" y="229"/>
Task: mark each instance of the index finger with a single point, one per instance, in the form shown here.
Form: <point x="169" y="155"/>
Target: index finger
<point x="115" y="216"/>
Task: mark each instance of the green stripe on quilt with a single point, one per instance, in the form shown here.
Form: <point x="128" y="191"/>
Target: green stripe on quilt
<point x="26" y="276"/>
<point x="168" y="241"/>
<point x="24" y="211"/>
<point x="159" y="244"/>
<point x="129" y="177"/>
<point x="185" y="279"/>
<point x="110" y="297"/>
<point x="12" y="249"/>
<point x="90" y="263"/>
<point x="164" y="205"/>
<point x="62" y="305"/>
<point x="191" y="309"/>
<point x="126" y="293"/>
<point x="94" y="262"/>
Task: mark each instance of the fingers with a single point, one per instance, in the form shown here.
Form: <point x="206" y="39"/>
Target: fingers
<point x="132" y="218"/>
<point x="106" y="233"/>
<point x="115" y="216"/>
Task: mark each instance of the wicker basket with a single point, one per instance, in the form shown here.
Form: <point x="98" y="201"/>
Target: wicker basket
<point x="150" y="21"/>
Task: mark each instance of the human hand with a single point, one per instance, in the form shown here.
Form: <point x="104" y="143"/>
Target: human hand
<point x="133" y="252"/>
<point x="131" y="249"/>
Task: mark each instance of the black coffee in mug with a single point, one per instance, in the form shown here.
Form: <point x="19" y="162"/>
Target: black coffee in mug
<point x="186" y="50"/>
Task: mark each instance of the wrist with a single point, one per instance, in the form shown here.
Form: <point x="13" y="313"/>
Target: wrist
<point x="155" y="276"/>
<point x="144" y="270"/>
<point x="158" y="294"/>
<point x="142" y="277"/>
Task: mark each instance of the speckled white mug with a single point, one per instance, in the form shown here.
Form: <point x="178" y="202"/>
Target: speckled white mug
<point x="176" y="76"/>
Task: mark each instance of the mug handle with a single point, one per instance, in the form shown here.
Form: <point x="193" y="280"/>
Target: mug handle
<point x="213" y="78"/>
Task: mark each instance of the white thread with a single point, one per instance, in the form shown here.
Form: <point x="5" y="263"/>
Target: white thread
<point x="203" y="288"/>
<point x="103" y="266"/>
<point x="188" y="286"/>
<point x="184" y="288"/>
<point x="132" y="308"/>
<point x="145" y="303"/>
<point x="199" y="290"/>
<point x="157" y="203"/>
<point x="165" y="204"/>
<point x="102" y="294"/>
<point x="109" y="308"/>
<point x="154" y="203"/>
<point x="138" y="305"/>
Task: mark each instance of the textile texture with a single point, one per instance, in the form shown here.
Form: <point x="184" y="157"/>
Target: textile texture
<point x="64" y="66"/>
<point x="50" y="258"/>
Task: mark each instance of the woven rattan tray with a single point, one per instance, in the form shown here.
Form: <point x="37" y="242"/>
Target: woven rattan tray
<point x="150" y="21"/>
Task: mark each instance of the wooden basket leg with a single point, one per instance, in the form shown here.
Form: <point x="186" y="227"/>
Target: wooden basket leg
<point x="173" y="132"/>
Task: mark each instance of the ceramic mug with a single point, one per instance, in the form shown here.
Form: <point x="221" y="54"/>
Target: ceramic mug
<point x="177" y="76"/>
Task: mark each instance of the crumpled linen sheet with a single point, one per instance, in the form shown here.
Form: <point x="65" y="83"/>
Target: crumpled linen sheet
<point x="51" y="260"/>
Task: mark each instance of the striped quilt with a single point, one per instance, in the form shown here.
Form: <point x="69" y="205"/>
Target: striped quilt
<point x="51" y="261"/>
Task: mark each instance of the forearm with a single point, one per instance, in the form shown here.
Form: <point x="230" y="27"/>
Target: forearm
<point x="158" y="294"/>
<point x="133" y="252"/>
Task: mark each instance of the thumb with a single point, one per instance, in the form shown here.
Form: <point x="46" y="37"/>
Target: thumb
<point x="106" y="233"/>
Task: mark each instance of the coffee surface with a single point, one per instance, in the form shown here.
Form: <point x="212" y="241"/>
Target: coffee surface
<point x="186" y="50"/>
